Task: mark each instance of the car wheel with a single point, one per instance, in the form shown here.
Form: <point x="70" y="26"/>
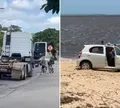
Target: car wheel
<point x="85" y="65"/>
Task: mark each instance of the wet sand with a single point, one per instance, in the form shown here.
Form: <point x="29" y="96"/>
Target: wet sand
<point x="88" y="88"/>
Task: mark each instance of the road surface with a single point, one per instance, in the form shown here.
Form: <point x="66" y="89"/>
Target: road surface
<point x="40" y="91"/>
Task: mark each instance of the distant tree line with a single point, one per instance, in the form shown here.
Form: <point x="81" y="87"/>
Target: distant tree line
<point x="12" y="28"/>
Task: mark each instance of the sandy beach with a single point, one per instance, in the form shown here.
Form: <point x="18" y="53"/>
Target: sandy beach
<point x="88" y="88"/>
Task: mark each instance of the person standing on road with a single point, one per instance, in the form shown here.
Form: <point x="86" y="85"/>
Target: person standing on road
<point x="49" y="54"/>
<point x="54" y="53"/>
<point x="50" y="61"/>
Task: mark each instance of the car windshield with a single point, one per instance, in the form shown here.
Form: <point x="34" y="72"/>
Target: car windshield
<point x="117" y="51"/>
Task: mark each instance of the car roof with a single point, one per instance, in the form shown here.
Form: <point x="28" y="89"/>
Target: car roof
<point x="92" y="45"/>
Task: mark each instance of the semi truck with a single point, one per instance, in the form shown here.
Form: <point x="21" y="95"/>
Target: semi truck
<point x="17" y="55"/>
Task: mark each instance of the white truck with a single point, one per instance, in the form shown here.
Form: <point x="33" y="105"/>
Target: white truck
<point x="17" y="55"/>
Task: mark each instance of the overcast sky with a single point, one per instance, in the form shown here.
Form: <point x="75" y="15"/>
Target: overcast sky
<point x="90" y="7"/>
<point x="27" y="14"/>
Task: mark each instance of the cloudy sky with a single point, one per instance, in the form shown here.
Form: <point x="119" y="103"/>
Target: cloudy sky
<point x="90" y="7"/>
<point x="27" y="14"/>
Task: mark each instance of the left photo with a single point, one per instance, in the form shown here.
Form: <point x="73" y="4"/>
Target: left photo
<point x="29" y="53"/>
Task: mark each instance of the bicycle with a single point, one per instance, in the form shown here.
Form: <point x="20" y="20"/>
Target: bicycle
<point x="50" y="65"/>
<point x="44" y="69"/>
<point x="43" y="66"/>
<point x="51" y="70"/>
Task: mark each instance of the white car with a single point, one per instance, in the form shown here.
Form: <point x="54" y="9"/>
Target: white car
<point x="98" y="56"/>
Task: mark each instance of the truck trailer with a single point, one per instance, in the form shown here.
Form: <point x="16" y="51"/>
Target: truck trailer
<point x="17" y="55"/>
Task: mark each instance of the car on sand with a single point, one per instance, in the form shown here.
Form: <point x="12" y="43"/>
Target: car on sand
<point x="97" y="56"/>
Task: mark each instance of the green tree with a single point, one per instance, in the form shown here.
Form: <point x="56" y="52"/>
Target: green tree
<point x="13" y="28"/>
<point x="51" y="36"/>
<point x="51" y="5"/>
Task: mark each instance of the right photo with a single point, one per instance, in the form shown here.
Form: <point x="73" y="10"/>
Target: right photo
<point x="90" y="54"/>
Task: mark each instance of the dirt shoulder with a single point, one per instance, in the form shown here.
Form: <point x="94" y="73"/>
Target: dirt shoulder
<point x="88" y="88"/>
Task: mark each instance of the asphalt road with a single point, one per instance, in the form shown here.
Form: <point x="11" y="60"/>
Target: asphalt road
<point x="40" y="91"/>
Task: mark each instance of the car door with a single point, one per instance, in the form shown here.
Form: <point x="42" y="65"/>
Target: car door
<point x="117" y="57"/>
<point x="97" y="56"/>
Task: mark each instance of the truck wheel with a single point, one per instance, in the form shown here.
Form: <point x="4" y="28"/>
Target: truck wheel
<point x="26" y="67"/>
<point x="86" y="65"/>
<point x="24" y="73"/>
<point x="31" y="71"/>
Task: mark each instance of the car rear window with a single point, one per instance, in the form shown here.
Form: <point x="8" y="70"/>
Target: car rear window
<point x="98" y="50"/>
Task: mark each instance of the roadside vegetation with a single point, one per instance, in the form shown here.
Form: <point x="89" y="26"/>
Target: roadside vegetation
<point x="50" y="35"/>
